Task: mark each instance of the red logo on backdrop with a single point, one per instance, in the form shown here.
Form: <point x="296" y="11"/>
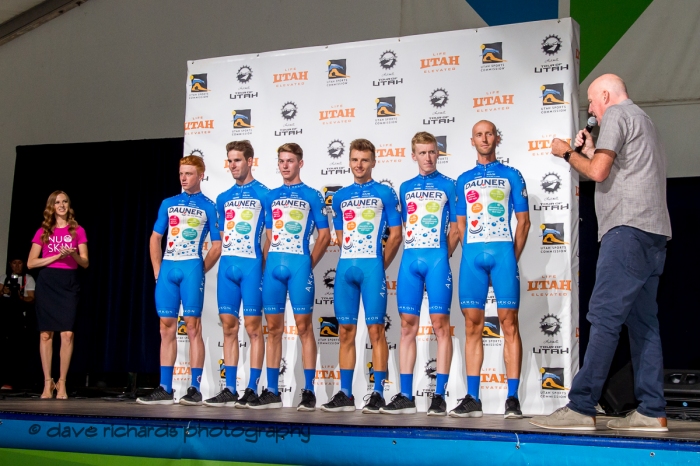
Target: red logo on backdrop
<point x="174" y="220"/>
<point x="230" y="214"/>
<point x="472" y="196"/>
<point x="411" y="207"/>
<point x="349" y="214"/>
<point x="276" y="213"/>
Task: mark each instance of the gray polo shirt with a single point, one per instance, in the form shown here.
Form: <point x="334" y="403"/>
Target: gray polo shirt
<point x="634" y="194"/>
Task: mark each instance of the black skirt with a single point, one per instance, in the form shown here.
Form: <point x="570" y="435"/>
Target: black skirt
<point x="56" y="299"/>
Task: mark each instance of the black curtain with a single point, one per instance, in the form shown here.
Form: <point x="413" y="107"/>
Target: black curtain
<point x="115" y="189"/>
<point x="678" y="318"/>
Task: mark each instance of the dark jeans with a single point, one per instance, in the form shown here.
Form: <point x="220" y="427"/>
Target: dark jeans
<point x="627" y="277"/>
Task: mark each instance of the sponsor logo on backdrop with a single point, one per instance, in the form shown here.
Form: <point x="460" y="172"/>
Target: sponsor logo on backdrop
<point x="197" y="153"/>
<point x="199" y="125"/>
<point x="244" y="75"/>
<point x="290" y="77"/>
<point x="222" y="369"/>
<point x="550" y="326"/>
<point x="388" y="59"/>
<point x="440" y="62"/>
<point x="491" y="333"/>
<point x="442" y="150"/>
<point x="543" y="146"/>
<point x="493" y="101"/>
<point x="336" y="114"/>
<point x="282" y="386"/>
<point x="328" y="327"/>
<point x="327" y="375"/>
<point x="387" y="62"/>
<point x="548" y="286"/>
<point x="492" y="379"/>
<point x="289" y="112"/>
<point x="325" y="297"/>
<point x="552" y="383"/>
<point x="430" y="370"/>
<point x="551" y="185"/>
<point x="242" y="121"/>
<point x="492" y="57"/>
<point x="337" y="72"/>
<point x="385" y="108"/>
<point x="199" y="88"/>
<point x="339" y="164"/>
<point x="553" y="238"/>
<point x="439" y="100"/>
<point x="553" y="98"/>
<point x="551" y="45"/>
<point x="387" y="153"/>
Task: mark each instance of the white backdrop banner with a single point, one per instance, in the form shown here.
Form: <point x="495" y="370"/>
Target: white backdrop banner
<point x="522" y="77"/>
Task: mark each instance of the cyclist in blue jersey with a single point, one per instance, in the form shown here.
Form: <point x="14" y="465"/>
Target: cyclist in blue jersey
<point x="428" y="209"/>
<point x="292" y="211"/>
<point x="188" y="218"/>
<point x="362" y="211"/>
<point x="242" y="221"/>
<point x="487" y="196"/>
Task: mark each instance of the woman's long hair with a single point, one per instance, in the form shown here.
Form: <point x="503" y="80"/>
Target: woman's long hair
<point x="49" y="222"/>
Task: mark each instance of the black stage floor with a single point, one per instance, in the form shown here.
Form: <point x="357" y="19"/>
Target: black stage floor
<point x="680" y="431"/>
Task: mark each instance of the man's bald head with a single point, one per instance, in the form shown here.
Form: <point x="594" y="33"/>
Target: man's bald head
<point x="605" y="91"/>
<point x="611" y="83"/>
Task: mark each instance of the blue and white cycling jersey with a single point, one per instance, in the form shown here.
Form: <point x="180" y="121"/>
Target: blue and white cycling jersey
<point x="242" y="219"/>
<point x="361" y="212"/>
<point x="291" y="212"/>
<point x="488" y="195"/>
<point x="428" y="205"/>
<point x="187" y="218"/>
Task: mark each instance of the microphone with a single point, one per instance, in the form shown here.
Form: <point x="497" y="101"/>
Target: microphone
<point x="592" y="123"/>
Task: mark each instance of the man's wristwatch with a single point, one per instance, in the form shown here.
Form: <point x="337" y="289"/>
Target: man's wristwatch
<point x="567" y="155"/>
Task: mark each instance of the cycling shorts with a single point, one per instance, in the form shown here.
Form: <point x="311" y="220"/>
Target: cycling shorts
<point x="424" y="269"/>
<point x="180" y="281"/>
<point x="288" y="272"/>
<point x="239" y="278"/>
<point x="481" y="261"/>
<point x="355" y="278"/>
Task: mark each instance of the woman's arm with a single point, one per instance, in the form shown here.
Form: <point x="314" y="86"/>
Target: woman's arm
<point x="34" y="261"/>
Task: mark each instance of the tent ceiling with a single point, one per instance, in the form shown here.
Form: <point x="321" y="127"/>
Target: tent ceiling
<point x="11" y="8"/>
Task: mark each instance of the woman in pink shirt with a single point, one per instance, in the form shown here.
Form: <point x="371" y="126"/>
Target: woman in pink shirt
<point x="62" y="244"/>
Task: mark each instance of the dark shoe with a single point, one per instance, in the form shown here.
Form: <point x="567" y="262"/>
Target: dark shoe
<point x="248" y="397"/>
<point x="193" y="398"/>
<point x="375" y="401"/>
<point x="400" y="404"/>
<point x="266" y="400"/>
<point x="308" y="401"/>
<point x="339" y="403"/>
<point x="223" y="398"/>
<point x="513" y="409"/>
<point x="438" y="407"/>
<point x="468" y="407"/>
<point x="158" y="397"/>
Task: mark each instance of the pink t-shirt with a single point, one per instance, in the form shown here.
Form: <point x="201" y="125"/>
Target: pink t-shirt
<point x="59" y="238"/>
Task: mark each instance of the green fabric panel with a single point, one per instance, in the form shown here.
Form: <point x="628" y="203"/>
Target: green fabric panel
<point x="11" y="456"/>
<point x="603" y="23"/>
